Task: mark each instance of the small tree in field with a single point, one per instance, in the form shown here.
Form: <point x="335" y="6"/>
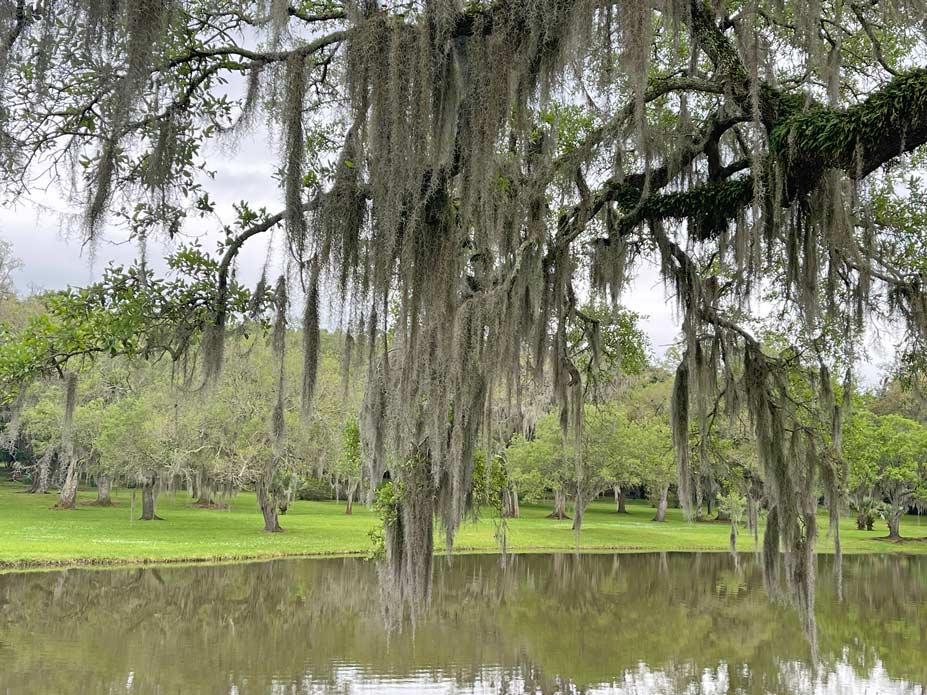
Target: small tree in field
<point x="348" y="466"/>
<point x="138" y="439"/>
<point x="537" y="465"/>
<point x="887" y="456"/>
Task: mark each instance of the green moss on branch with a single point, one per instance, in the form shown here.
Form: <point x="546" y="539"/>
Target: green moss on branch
<point x="857" y="140"/>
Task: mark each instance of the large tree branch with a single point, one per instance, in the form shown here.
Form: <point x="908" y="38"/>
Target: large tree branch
<point x="808" y="138"/>
<point x="858" y="140"/>
<point x="20" y="18"/>
<point x="231" y="253"/>
<point x="770" y="104"/>
<point x="262" y="57"/>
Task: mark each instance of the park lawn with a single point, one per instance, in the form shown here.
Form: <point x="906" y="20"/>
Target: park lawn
<point x="33" y="534"/>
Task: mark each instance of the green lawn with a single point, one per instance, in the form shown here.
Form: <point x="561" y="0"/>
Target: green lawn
<point x="34" y="534"/>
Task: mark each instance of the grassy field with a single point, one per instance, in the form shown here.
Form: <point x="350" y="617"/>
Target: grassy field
<point x="32" y="534"/>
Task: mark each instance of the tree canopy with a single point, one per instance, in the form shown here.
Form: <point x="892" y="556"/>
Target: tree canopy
<point x="887" y="455"/>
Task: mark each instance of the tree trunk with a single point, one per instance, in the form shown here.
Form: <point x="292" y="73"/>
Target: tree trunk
<point x="104" y="487"/>
<point x="579" y="508"/>
<point x="202" y="491"/>
<point x="148" y="500"/>
<point x="860" y="522"/>
<point x="698" y="499"/>
<point x="267" y="504"/>
<point x="661" y="504"/>
<point x="894" y="521"/>
<point x="622" y="495"/>
<point x="559" y="512"/>
<point x="43" y="472"/>
<point x="67" y="497"/>
<point x="510" y="508"/>
<point x="409" y="545"/>
<point x="349" y="506"/>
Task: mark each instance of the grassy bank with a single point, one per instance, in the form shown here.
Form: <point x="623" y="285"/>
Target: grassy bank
<point x="32" y="534"/>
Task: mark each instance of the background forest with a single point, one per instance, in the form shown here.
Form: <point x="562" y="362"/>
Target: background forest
<point x="149" y="426"/>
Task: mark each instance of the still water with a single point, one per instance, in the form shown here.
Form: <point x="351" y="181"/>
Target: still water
<point x="661" y="623"/>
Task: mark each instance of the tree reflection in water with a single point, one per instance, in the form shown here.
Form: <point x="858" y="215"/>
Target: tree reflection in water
<point x="548" y="624"/>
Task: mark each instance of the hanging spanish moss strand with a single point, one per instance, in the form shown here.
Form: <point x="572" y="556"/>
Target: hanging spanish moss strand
<point x="835" y="474"/>
<point x="430" y="112"/>
<point x="311" y="337"/>
<point x="11" y="432"/>
<point x="347" y="355"/>
<point x="294" y="151"/>
<point x="278" y="346"/>
<point x="265" y="485"/>
<point x="679" y="413"/>
<point x="142" y="24"/>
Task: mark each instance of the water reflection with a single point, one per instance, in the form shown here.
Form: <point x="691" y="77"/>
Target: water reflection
<point x="542" y="624"/>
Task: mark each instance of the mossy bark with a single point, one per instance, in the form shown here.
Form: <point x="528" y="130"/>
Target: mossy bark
<point x="579" y="509"/>
<point x="349" y="502"/>
<point x="104" y="488"/>
<point x="620" y="499"/>
<point x="67" y="496"/>
<point x="149" y="499"/>
<point x="510" y="508"/>
<point x="42" y="473"/>
<point x="894" y="522"/>
<point x="662" y="503"/>
<point x="559" y="512"/>
<point x="267" y="504"/>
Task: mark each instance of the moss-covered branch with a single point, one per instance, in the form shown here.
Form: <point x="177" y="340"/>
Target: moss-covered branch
<point x="707" y="207"/>
<point x="859" y="139"/>
<point x="807" y="138"/>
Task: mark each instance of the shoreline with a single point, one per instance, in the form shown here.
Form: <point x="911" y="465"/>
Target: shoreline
<point x="102" y="563"/>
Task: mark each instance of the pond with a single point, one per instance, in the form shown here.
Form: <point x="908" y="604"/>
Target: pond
<point x="656" y="623"/>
